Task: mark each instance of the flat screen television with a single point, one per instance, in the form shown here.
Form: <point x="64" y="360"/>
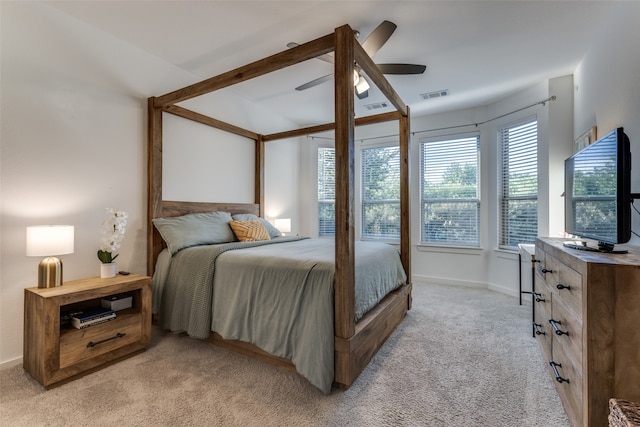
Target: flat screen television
<point x="598" y="193"/>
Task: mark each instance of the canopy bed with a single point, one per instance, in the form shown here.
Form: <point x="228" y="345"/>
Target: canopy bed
<point x="355" y="342"/>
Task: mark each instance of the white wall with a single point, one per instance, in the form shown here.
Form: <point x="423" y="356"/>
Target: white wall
<point x="607" y="87"/>
<point x="73" y="136"/>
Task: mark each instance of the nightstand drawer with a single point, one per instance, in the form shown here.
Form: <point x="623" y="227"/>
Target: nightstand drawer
<point x="82" y="344"/>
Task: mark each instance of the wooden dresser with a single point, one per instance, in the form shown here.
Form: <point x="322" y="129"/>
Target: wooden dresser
<point x="587" y="321"/>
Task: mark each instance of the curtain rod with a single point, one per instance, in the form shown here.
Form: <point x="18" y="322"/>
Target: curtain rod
<point x="543" y="103"/>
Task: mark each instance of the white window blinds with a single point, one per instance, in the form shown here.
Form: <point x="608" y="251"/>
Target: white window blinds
<point x="381" y="193"/>
<point x="450" y="201"/>
<point x="519" y="184"/>
<point x="326" y="191"/>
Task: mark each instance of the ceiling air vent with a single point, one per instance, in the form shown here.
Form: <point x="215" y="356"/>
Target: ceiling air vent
<point x="436" y="94"/>
<point x="376" y="106"/>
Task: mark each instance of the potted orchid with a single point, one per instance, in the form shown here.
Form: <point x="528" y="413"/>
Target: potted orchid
<point x="112" y="235"/>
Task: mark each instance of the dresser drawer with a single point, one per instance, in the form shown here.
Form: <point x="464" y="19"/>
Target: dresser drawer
<point x="82" y="344"/>
<point x="569" y="330"/>
<point x="569" y="289"/>
<point x="549" y="269"/>
<point x="570" y="392"/>
<point x="542" y="328"/>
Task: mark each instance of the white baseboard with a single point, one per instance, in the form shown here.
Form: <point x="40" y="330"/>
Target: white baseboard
<point x="11" y="363"/>
<point x="448" y="282"/>
<point x="465" y="283"/>
<point x="504" y="290"/>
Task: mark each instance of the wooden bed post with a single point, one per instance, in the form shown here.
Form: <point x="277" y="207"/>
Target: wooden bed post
<point x="154" y="177"/>
<point x="344" y="151"/>
<point x="259" y="174"/>
<point x="405" y="208"/>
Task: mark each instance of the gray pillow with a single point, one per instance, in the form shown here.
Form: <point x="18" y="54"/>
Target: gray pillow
<point x="195" y="229"/>
<point x="273" y="231"/>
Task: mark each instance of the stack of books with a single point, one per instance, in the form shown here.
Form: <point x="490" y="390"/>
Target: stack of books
<point x="84" y="319"/>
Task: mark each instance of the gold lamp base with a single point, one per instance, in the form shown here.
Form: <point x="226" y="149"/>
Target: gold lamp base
<point x="50" y="273"/>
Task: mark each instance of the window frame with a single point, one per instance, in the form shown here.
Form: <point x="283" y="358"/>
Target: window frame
<point x="502" y="239"/>
<point x="361" y="192"/>
<point x="317" y="183"/>
<point x="477" y="200"/>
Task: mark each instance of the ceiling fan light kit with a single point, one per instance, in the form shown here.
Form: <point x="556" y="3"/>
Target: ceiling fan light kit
<point x="362" y="85"/>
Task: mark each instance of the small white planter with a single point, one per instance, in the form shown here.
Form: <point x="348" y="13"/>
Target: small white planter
<point x="108" y="270"/>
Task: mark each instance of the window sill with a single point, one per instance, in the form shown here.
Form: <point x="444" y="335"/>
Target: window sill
<point x="465" y="250"/>
<point x="506" y="253"/>
<point x="388" y="241"/>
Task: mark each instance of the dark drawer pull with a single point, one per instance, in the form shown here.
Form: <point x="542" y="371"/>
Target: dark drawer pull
<point x="536" y="327"/>
<point x="116" y="336"/>
<point x="538" y="297"/>
<point x="555" y="367"/>
<point x="555" y="324"/>
<point x="545" y="270"/>
<point x="561" y="287"/>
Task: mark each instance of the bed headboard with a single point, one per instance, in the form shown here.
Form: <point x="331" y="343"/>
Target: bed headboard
<point x="175" y="208"/>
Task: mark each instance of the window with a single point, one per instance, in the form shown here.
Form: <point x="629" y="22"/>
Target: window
<point x="381" y="193"/>
<point x="326" y="191"/>
<point x="450" y="203"/>
<point x="519" y="184"/>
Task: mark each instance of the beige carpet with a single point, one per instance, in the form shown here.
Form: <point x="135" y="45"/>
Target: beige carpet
<point x="462" y="357"/>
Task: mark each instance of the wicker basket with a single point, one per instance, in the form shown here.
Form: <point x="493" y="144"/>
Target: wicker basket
<point x="623" y="413"/>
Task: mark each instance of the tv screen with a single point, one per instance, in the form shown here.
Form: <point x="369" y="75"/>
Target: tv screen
<point x="598" y="191"/>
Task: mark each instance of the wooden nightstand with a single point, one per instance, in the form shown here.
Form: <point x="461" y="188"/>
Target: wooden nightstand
<point x="56" y="352"/>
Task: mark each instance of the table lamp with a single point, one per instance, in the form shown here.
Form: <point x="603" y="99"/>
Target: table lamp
<point x="49" y="240"/>
<point x="283" y="224"/>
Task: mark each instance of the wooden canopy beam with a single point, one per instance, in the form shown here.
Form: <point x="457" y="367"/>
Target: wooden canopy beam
<point x="258" y="68"/>
<point x="209" y="121"/>
<point x="368" y="120"/>
<point x="378" y="79"/>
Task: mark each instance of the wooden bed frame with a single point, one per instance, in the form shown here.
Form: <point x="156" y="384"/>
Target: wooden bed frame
<point x="355" y="343"/>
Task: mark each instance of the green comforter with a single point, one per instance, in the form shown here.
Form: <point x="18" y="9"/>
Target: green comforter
<point x="275" y="294"/>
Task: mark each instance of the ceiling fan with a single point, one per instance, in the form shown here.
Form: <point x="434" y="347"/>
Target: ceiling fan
<point x="371" y="45"/>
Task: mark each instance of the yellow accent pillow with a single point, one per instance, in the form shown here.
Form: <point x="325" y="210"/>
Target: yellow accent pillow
<point x="249" y="231"/>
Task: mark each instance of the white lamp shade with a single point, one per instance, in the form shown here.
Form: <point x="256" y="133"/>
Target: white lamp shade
<point x="283" y="224"/>
<point x="48" y="240"/>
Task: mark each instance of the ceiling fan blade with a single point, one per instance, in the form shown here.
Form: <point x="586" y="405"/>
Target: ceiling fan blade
<point x="401" y="68"/>
<point x="325" y="57"/>
<point x="315" y="82"/>
<point x="378" y="37"/>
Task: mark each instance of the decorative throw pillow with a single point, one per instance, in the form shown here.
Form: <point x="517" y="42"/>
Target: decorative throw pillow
<point x="249" y="231"/>
<point x="194" y="229"/>
<point x="273" y="231"/>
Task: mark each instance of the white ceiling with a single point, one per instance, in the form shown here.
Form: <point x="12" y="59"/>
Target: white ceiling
<point x="480" y="51"/>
